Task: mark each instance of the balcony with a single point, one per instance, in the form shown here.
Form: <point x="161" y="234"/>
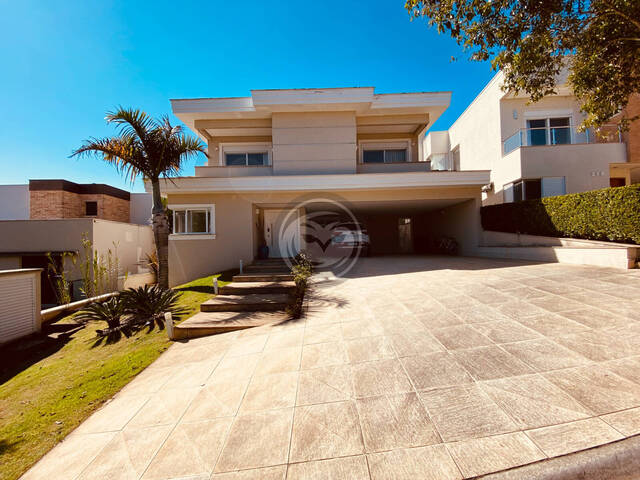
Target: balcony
<point x="393" y="167"/>
<point x="535" y="137"/>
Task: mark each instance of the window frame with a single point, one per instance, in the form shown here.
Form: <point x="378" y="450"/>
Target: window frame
<point x="547" y="116"/>
<point x="384" y="145"/>
<point x="246" y="149"/>
<point x="86" y="203"/>
<point x="210" y="210"/>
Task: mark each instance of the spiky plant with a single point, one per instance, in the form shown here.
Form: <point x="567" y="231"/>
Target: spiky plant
<point x="147" y="305"/>
<point x="112" y="312"/>
<point x="154" y="149"/>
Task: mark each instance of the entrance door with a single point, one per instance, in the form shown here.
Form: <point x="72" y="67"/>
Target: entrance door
<point x="282" y="232"/>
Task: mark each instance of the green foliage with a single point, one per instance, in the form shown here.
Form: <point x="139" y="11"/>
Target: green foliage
<point x="147" y="305"/>
<point x="99" y="272"/>
<point x="533" y="40"/>
<point x="112" y="312"/>
<point x="301" y="270"/>
<point x="611" y="214"/>
<point x="57" y="273"/>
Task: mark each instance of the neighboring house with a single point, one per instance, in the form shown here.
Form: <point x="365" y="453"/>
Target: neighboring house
<point x="533" y="150"/>
<point x="52" y="216"/>
<point x="273" y="151"/>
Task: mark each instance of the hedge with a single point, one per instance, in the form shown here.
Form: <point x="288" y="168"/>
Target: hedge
<point x="611" y="214"/>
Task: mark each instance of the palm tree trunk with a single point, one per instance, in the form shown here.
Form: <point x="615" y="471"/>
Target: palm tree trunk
<point x="160" y="234"/>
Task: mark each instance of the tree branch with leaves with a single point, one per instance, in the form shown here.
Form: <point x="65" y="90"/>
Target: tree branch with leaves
<point x="150" y="148"/>
<point x="532" y="41"/>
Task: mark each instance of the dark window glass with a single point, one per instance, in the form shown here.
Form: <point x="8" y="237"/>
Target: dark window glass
<point x="236" y="158"/>
<point x="532" y="189"/>
<point x="91" y="209"/>
<point x="373" y="156"/>
<point x="257" y="158"/>
<point x="560" y="131"/>
<point x="517" y="192"/>
<point x="198" y="221"/>
<point x="537" y="132"/>
<point x="395" y="156"/>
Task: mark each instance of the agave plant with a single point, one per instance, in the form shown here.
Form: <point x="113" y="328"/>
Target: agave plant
<point x="112" y="312"/>
<point x="147" y="305"/>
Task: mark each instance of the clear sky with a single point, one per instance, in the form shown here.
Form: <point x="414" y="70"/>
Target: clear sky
<point x="64" y="63"/>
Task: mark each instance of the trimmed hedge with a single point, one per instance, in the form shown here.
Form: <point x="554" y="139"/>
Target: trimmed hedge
<point x="611" y="214"/>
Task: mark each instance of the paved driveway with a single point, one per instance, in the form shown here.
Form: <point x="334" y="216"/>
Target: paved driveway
<point x="414" y="367"/>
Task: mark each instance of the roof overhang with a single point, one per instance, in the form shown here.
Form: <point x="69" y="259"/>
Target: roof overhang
<point x="337" y="182"/>
<point x="211" y="117"/>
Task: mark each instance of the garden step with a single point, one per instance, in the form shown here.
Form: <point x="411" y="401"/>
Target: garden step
<point x="247" y="303"/>
<point x="267" y="268"/>
<point x="243" y="288"/>
<point x="270" y="261"/>
<point x="210" y="323"/>
<point x="263" y="277"/>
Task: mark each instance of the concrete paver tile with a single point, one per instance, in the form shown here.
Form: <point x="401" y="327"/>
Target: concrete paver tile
<point x="465" y="412"/>
<point x="480" y="456"/>
<point x="486" y="363"/>
<point x="426" y="463"/>
<point x="352" y="468"/>
<point x="325" y="431"/>
<point x="393" y="421"/>
<point x="435" y="370"/>
<point x="572" y="437"/>
<point x="379" y="378"/>
<point x="259" y="439"/>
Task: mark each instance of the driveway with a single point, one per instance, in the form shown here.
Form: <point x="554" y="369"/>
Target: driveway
<point x="413" y="367"/>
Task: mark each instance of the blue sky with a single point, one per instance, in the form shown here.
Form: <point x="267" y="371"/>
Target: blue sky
<point x="65" y="63"/>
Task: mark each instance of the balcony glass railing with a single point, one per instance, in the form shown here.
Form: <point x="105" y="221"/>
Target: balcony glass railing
<point x="530" y="137"/>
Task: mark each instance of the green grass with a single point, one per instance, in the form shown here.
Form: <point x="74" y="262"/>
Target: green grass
<point x="49" y="389"/>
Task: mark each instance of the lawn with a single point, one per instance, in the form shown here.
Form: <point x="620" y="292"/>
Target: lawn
<point x="47" y="388"/>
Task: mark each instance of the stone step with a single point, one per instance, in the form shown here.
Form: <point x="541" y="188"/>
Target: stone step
<point x="270" y="261"/>
<point x="267" y="302"/>
<point x="267" y="268"/>
<point x="243" y="288"/>
<point x="211" y="323"/>
<point x="263" y="277"/>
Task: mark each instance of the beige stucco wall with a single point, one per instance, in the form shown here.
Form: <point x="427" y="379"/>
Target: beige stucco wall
<point x="477" y="131"/>
<point x="236" y="220"/>
<point x="314" y="142"/>
<point x="41" y="236"/>
<point x="130" y="242"/>
<point x="549" y="106"/>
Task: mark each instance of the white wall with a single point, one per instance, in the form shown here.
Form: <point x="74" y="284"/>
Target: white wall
<point x="477" y="131"/>
<point x="14" y="202"/>
<point x="19" y="303"/>
<point x="140" y="205"/>
<point x="133" y="243"/>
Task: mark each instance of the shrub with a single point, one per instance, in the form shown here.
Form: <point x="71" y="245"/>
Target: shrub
<point x="301" y="270"/>
<point x="611" y="214"/>
<point x="111" y="311"/>
<point x="147" y="305"/>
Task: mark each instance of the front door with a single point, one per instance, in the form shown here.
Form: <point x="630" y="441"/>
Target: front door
<point x="281" y="232"/>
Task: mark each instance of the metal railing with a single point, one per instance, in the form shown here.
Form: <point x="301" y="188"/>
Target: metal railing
<point x="529" y="137"/>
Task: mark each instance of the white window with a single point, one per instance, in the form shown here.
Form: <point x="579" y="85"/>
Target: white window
<point x="549" y="131"/>
<point x="193" y="219"/>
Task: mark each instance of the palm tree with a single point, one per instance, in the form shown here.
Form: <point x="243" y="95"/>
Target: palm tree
<point x="151" y="148"/>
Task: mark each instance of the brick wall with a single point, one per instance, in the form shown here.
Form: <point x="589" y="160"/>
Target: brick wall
<point x="52" y="204"/>
<point x="632" y="137"/>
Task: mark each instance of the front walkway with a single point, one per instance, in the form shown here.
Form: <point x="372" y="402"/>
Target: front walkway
<point x="415" y="367"/>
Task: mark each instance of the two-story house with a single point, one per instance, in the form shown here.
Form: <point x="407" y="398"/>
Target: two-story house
<point x="533" y="150"/>
<point x="279" y="153"/>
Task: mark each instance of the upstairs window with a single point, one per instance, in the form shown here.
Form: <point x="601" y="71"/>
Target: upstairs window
<point x="91" y="209"/>
<point x="246" y="159"/>
<point x="549" y="131"/>
<point x="384" y="156"/>
<point x="193" y="219"/>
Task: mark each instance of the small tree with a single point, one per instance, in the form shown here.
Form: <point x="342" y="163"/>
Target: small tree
<point x="154" y="149"/>
<point x="533" y="40"/>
